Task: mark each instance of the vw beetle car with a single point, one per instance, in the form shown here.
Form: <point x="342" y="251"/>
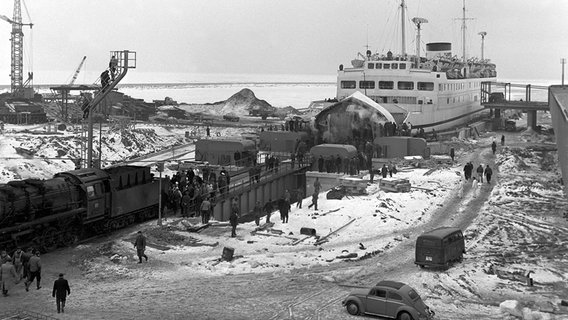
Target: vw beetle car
<point x="389" y="299"/>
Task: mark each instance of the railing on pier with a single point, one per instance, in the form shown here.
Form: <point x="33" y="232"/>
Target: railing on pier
<point x="503" y="92"/>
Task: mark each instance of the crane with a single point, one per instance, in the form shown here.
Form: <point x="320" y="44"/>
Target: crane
<point x="17" y="41"/>
<point x="77" y="71"/>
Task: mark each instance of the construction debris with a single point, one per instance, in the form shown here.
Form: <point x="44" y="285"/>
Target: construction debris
<point x="395" y="185"/>
<point x="324" y="239"/>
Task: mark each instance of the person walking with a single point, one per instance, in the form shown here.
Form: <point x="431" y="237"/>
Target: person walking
<point x="493" y="147"/>
<point x="488" y="173"/>
<point x="460" y="189"/>
<point x="474" y="187"/>
<point x="60" y="292"/>
<point x="268" y="208"/>
<point x="140" y="245"/>
<point x="384" y="170"/>
<point x="503" y="140"/>
<point x="314" y="201"/>
<point x="317" y="185"/>
<point x="299" y="197"/>
<point x="480" y="173"/>
<point x="284" y="208"/>
<point x="205" y="210"/>
<point x="18" y="264"/>
<point x="8" y="276"/>
<point x="257" y="211"/>
<point x="26" y="262"/>
<point x="35" y="271"/>
<point x="234" y="218"/>
<point x="113" y="63"/>
<point x="452" y="154"/>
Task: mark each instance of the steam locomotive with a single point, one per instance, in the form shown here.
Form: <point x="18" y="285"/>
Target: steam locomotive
<point x="57" y="212"/>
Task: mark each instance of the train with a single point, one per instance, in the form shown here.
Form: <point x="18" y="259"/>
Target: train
<point x="73" y="205"/>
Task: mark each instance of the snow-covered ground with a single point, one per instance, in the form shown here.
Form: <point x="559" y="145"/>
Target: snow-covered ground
<point x="520" y="228"/>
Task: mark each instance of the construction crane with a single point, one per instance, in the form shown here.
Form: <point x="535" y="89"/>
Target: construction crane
<point x="17" y="41"/>
<point x="77" y="71"/>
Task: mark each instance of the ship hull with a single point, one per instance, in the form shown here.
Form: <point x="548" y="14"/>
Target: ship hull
<point x="430" y="99"/>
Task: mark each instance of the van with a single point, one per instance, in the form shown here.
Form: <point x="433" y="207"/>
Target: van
<point x="439" y="247"/>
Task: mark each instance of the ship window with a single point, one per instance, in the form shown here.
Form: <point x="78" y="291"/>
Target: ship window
<point x="371" y="65"/>
<point x="448" y="102"/>
<point x="394" y="66"/>
<point x="420" y="102"/>
<point x="425" y="86"/>
<point x="386" y="84"/>
<point x="379" y="65"/>
<point x="440" y="87"/>
<point x="438" y="75"/>
<point x="366" y="84"/>
<point x="405" y="85"/>
<point x="348" y="84"/>
<point x="402" y="66"/>
<point x="386" y="65"/>
<point x="475" y="98"/>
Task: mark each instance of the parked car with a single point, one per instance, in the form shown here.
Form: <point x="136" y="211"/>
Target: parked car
<point x="389" y="299"/>
<point x="440" y="247"/>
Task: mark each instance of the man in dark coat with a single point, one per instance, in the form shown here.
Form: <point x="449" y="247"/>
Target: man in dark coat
<point x="488" y="173"/>
<point x="494" y="147"/>
<point x="268" y="208"/>
<point x="257" y="211"/>
<point x="480" y="173"/>
<point x="314" y="201"/>
<point x="234" y="218"/>
<point x="140" y="245"/>
<point x="384" y="170"/>
<point x="60" y="291"/>
<point x="284" y="208"/>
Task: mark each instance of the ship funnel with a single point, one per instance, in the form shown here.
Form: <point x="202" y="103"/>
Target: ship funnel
<point x="436" y="50"/>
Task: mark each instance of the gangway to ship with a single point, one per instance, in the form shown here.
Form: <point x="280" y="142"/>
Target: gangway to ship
<point x="497" y="96"/>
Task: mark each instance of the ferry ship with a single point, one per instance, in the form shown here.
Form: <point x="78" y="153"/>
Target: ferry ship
<point x="438" y="91"/>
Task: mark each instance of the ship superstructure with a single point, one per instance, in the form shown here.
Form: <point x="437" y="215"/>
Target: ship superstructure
<point x="438" y="90"/>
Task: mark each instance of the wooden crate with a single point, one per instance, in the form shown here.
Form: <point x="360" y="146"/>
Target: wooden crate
<point x="394" y="185"/>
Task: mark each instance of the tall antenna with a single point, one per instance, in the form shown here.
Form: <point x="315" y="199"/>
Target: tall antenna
<point x="463" y="19"/>
<point x="482" y="34"/>
<point x="403" y="17"/>
<point x="418" y="22"/>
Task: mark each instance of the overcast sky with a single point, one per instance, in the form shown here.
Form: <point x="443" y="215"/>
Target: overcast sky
<point x="178" y="38"/>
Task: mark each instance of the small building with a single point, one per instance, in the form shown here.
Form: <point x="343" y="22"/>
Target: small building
<point x="226" y="152"/>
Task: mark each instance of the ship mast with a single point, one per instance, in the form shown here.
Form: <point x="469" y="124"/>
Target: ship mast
<point x="418" y="22"/>
<point x="403" y="17"/>
<point x="463" y="33"/>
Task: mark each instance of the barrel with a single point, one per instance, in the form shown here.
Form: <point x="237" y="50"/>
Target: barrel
<point x="308" y="231"/>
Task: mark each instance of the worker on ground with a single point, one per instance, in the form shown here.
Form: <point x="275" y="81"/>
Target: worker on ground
<point x="60" y="292"/>
<point x="35" y="271"/>
<point x="234" y="218"/>
<point x="480" y="173"/>
<point x="257" y="211"/>
<point x="268" y="208"/>
<point x="205" y="210"/>
<point x="140" y="245"/>
<point x="8" y="276"/>
<point x="314" y="201"/>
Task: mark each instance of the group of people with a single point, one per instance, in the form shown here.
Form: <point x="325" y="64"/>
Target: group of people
<point x="26" y="266"/>
<point x="481" y="172"/>
<point x="194" y="195"/>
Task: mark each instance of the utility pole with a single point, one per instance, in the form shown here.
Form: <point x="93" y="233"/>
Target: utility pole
<point x="563" y="62"/>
